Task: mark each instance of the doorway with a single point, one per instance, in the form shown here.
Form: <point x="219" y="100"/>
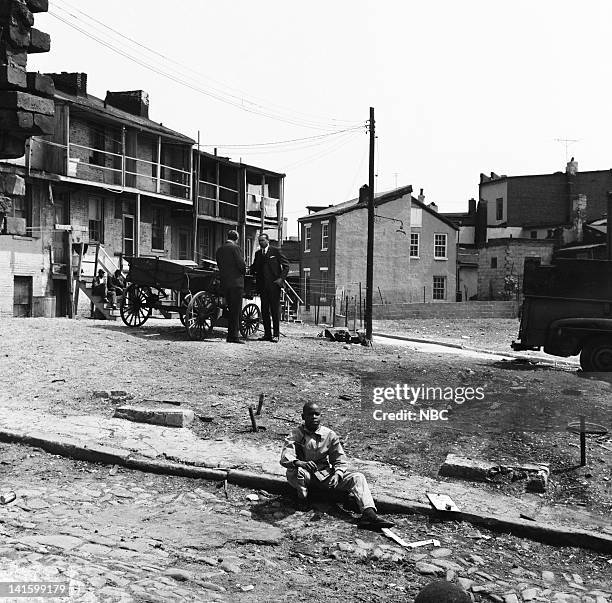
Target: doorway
<point x="22" y="296"/>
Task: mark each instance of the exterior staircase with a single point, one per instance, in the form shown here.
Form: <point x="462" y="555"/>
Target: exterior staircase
<point x="100" y="308"/>
<point x="84" y="282"/>
<point x="290" y="304"/>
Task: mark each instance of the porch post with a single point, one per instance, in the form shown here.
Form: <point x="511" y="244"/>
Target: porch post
<point x="158" y="183"/>
<point x="137" y="227"/>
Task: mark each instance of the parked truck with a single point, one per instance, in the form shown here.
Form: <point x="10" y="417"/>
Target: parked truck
<point x="568" y="310"/>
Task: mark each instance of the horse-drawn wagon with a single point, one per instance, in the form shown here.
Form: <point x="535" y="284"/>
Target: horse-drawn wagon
<point x="180" y="286"/>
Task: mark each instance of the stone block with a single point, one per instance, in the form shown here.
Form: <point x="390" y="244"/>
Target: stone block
<point x="40" y="84"/>
<point x="12" y="76"/>
<point x="19" y="36"/>
<point x="13" y="56"/>
<point x="16" y="120"/>
<point x="12" y="184"/>
<point x="39" y="41"/>
<point x="11" y="146"/>
<point x="43" y="124"/>
<point x="38" y="6"/>
<point x="26" y="102"/>
<point x="457" y="466"/>
<point x="170" y="417"/>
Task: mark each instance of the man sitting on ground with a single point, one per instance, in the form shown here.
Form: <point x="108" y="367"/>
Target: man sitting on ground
<point x="314" y="458"/>
<point x="99" y="285"/>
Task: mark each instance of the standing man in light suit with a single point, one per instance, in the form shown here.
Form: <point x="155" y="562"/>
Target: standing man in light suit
<point x="232" y="270"/>
<point x="270" y="268"/>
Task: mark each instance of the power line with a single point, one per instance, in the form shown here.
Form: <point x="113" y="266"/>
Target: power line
<point x="187" y="68"/>
<point x="221" y="96"/>
<point x="280" y="142"/>
<point x="318" y="156"/>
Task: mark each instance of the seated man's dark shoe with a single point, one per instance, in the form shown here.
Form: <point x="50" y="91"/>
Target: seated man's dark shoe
<point x="234" y="341"/>
<point x="274" y="339"/>
<point x="370" y="519"/>
<point x="265" y="338"/>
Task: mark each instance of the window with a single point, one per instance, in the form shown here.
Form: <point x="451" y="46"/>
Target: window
<point x="204" y="251"/>
<point x="416" y="216"/>
<point x="439" y="287"/>
<point x="499" y="208"/>
<point x="157" y="229"/>
<point x="324" y="283"/>
<point x="307" y="234"/>
<point x="248" y="251"/>
<point x="324" y="236"/>
<point x="97" y="141"/>
<point x="96" y="222"/>
<point x="414" y="244"/>
<point x="550" y="234"/>
<point x="534" y="234"/>
<point x="493" y="262"/>
<point x="440" y="246"/>
<point x="61" y="204"/>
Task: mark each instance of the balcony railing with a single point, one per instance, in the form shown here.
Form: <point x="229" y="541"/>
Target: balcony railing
<point x="112" y="169"/>
<point x="217" y="201"/>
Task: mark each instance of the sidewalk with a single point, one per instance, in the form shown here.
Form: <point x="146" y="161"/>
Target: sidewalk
<point x="531" y="356"/>
<point x="179" y="451"/>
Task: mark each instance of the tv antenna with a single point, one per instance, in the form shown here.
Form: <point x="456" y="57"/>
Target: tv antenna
<point x="567" y="142"/>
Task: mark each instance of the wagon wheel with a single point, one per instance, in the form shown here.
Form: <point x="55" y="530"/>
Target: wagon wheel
<point x="200" y="315"/>
<point x="185" y="299"/>
<point x="249" y="320"/>
<point x="135" y="308"/>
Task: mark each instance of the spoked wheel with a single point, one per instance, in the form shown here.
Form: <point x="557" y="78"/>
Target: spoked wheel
<point x="596" y="355"/>
<point x="185" y="299"/>
<point x="249" y="320"/>
<point x="135" y="308"/>
<point x="200" y="315"/>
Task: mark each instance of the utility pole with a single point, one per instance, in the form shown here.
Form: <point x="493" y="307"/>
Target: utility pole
<point x="370" y="245"/>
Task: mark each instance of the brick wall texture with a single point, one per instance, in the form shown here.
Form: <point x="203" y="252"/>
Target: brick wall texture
<point x="510" y="257"/>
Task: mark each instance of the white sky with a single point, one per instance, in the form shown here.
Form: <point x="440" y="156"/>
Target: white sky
<point x="459" y="88"/>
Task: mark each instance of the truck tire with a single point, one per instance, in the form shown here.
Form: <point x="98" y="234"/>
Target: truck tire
<point x="596" y="355"/>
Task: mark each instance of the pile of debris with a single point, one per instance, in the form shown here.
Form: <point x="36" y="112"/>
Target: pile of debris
<point x="343" y="335"/>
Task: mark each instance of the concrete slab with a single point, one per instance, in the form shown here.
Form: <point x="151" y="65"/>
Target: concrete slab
<point x="155" y="415"/>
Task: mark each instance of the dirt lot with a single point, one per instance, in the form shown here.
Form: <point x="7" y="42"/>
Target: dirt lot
<point x="56" y="365"/>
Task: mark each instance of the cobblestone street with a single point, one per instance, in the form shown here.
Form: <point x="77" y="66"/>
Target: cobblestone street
<point x="120" y="535"/>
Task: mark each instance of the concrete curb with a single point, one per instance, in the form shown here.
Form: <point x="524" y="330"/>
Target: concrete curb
<point x="459" y="346"/>
<point x="541" y="532"/>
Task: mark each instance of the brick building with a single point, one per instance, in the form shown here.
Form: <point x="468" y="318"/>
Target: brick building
<point x="119" y="184"/>
<point x="414" y="252"/>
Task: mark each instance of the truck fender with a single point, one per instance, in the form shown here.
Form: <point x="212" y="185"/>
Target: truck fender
<point x="566" y="336"/>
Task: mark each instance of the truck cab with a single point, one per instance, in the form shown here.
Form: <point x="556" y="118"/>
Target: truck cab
<point x="567" y="310"/>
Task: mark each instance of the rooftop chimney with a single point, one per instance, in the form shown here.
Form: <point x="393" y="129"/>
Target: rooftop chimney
<point x="421" y="196"/>
<point x="572" y="167"/>
<point x="135" y="102"/>
<point x="472" y="207"/>
<point x="363" y="194"/>
<point x="433" y="206"/>
<point x="72" y="83"/>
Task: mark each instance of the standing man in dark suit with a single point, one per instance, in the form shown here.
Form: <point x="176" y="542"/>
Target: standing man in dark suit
<point x="270" y="268"/>
<point x="232" y="270"/>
